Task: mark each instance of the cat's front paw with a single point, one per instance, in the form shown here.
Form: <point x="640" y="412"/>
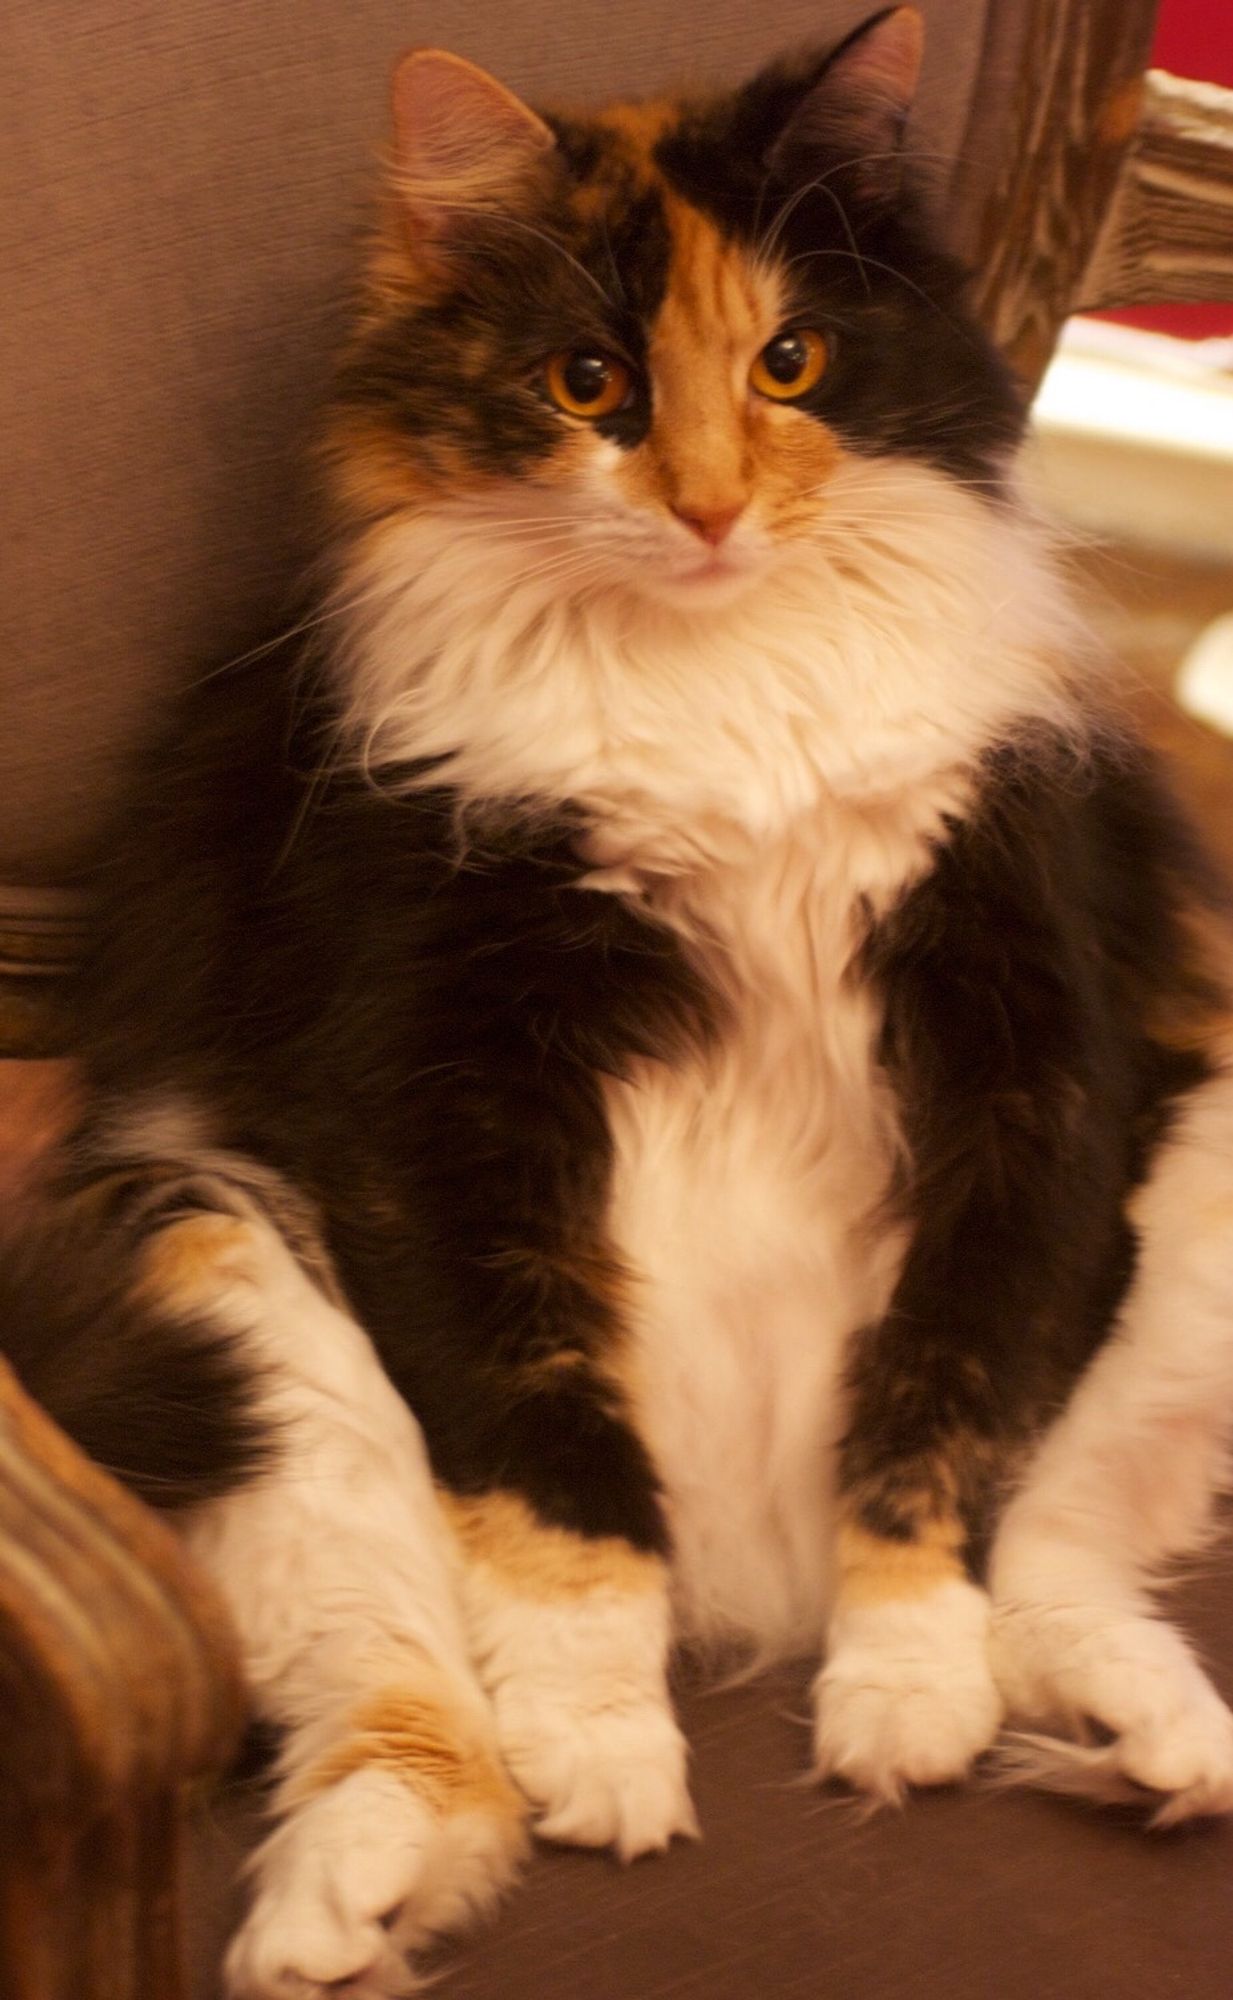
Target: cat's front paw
<point x="608" y="1774"/>
<point x="1168" y="1735"/>
<point x="357" y="1877"/>
<point x="907" y="1696"/>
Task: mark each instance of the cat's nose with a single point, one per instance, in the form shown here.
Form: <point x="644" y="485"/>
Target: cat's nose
<point x="710" y="524"/>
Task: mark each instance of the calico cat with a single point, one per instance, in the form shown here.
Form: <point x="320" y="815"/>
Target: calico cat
<point x="660" y="1069"/>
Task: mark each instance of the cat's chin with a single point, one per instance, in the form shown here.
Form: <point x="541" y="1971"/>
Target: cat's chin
<point x="711" y="584"/>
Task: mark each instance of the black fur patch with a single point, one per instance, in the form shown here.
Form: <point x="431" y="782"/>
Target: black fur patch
<point x="1018" y="981"/>
<point x="414" y="1032"/>
<point x="165" y="1404"/>
<point x="910" y="370"/>
<point x="464" y="373"/>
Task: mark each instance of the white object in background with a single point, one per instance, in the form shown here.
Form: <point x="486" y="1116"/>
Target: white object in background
<point x="1205" y="677"/>
<point x="1134" y="438"/>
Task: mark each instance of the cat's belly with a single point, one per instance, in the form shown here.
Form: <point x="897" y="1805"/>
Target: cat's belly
<point x="741" y="1204"/>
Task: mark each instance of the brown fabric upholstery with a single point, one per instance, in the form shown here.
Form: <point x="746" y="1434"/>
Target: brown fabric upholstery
<point x="962" y="1896"/>
<point x="181" y="188"/>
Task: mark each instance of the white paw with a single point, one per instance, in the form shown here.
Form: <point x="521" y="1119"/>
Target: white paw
<point x="907" y="1696"/>
<point x="353" y="1880"/>
<point x="611" y="1775"/>
<point x="1134" y="1678"/>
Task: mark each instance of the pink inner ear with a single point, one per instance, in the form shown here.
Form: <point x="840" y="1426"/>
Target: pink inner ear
<point x="885" y="61"/>
<point x="454" y="123"/>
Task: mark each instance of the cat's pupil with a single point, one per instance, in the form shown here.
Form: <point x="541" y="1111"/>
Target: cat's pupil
<point x="784" y="358"/>
<point x="586" y="376"/>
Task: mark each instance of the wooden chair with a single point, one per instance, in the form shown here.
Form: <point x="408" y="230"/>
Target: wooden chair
<point x="1081" y="181"/>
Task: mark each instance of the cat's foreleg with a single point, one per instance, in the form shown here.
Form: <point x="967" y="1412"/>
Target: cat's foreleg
<point x="1123" y="1485"/>
<point x="571" y="1638"/>
<point x="1011" y="1221"/>
<point x="906" y="1695"/>
<point x="553" y="1500"/>
<point x="394" y="1818"/>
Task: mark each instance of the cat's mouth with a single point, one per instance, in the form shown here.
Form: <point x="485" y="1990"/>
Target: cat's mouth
<point x="716" y="575"/>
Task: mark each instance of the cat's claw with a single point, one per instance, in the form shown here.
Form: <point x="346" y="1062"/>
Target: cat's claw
<point x="355" y="1879"/>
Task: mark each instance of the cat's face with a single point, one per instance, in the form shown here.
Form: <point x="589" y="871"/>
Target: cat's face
<point x="640" y="347"/>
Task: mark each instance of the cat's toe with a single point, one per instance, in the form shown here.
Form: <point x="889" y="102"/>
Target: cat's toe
<point x="356" y="1878"/>
<point x="907" y="1696"/>
<point x="1168" y="1735"/>
<point x="611" y="1776"/>
<point x="1187" y="1758"/>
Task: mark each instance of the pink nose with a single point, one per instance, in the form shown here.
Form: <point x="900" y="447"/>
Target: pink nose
<point x="710" y="524"/>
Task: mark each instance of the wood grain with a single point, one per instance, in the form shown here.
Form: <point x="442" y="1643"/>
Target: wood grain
<point x="119" y="1691"/>
<point x="1055" y="111"/>
<point x="1168" y="233"/>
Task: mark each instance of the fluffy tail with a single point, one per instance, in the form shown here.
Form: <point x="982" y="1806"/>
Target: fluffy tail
<point x="163" y="1400"/>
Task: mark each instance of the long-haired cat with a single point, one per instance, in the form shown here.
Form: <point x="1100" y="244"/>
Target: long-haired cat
<point x="661" y="1073"/>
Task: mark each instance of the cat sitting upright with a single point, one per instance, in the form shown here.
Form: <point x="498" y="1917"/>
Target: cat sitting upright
<point x="660" y="1069"/>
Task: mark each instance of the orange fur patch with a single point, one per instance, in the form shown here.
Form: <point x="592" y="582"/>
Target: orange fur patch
<point x="427" y="1744"/>
<point x="640" y="126"/>
<point x="579" y="1265"/>
<point x="714" y="446"/>
<point x="714" y="318"/>
<point x="873" y="1569"/>
<point x="1196" y="1013"/>
<point x="188" y="1262"/>
<point x="499" y="1531"/>
<point x="373" y="477"/>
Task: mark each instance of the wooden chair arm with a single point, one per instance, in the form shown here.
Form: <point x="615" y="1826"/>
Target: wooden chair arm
<point x="1168" y="233"/>
<point x="1083" y="181"/>
<point x="120" y="1693"/>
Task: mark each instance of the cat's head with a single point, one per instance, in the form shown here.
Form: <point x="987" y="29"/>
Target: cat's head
<point x="639" y="346"/>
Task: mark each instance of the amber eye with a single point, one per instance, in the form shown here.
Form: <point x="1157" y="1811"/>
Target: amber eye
<point x="587" y="385"/>
<point x="790" y="365"/>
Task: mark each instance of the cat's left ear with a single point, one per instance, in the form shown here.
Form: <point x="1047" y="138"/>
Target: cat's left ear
<point x="464" y="145"/>
<point x="858" y="106"/>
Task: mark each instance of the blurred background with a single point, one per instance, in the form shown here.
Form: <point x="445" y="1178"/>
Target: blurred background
<point x="1133" y="452"/>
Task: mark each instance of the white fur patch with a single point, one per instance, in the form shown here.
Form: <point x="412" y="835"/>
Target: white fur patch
<point x="744" y="1184"/>
<point x="1123" y="1485"/>
<point x="907" y="1696"/>
<point x="915" y="625"/>
<point x="583" y="1714"/>
<point x="338" y="1570"/>
<point x="1133" y="1675"/>
<point x="355" y="1879"/>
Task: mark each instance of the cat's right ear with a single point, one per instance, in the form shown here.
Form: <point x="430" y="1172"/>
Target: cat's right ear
<point x="857" y="107"/>
<point x="464" y="145"/>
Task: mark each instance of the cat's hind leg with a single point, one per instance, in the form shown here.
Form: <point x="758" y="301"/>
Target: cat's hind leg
<point x="394" y="1818"/>
<point x="1121" y="1487"/>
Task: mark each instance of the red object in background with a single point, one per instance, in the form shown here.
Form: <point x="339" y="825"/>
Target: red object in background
<point x="1193" y="38"/>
